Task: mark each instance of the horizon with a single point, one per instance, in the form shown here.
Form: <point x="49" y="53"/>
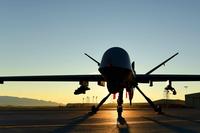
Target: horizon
<point x="11" y="99"/>
<point x="47" y="38"/>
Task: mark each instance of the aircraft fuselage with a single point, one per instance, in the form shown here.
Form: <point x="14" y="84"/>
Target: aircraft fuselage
<point x="116" y="68"/>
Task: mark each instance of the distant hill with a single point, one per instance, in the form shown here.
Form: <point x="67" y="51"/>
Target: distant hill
<point x="16" y="101"/>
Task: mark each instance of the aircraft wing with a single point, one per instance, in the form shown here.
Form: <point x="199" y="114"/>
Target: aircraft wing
<point x="140" y="78"/>
<point x="55" y="78"/>
<point x="143" y="78"/>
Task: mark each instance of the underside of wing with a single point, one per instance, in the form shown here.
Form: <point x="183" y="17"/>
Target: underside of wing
<point x="142" y="78"/>
<point x="56" y="78"/>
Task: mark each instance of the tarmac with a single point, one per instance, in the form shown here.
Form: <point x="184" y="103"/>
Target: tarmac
<point x="145" y="120"/>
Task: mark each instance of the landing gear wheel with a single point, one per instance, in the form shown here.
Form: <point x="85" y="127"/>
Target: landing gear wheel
<point x="121" y="121"/>
<point x="93" y="109"/>
<point x="159" y="109"/>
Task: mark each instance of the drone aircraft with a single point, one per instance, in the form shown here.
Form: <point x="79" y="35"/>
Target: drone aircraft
<point x="119" y="73"/>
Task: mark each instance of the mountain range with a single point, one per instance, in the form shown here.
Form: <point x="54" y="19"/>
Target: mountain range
<point x="16" y="101"/>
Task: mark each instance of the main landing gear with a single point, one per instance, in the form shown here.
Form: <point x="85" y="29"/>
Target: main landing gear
<point x="95" y="109"/>
<point x="120" y="119"/>
<point x="157" y="108"/>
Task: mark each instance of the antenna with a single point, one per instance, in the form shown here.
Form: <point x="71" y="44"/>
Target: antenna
<point x="163" y="63"/>
<point x="92" y="59"/>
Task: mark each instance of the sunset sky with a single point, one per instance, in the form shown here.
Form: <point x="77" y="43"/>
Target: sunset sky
<point x="46" y="37"/>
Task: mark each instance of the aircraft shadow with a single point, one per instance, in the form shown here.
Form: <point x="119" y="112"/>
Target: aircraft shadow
<point x="175" y="128"/>
<point x="181" y="118"/>
<point x="73" y="123"/>
<point x="123" y="128"/>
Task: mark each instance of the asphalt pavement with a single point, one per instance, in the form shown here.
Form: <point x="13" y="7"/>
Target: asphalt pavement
<point x="178" y="120"/>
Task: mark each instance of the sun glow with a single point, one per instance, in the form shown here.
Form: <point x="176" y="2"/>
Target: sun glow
<point x="63" y="92"/>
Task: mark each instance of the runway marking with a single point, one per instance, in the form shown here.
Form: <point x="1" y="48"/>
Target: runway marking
<point x="88" y="124"/>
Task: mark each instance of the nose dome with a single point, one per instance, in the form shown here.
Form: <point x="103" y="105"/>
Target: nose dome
<point x="116" y="57"/>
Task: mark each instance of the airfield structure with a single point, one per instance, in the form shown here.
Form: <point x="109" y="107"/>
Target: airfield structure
<point x="192" y="100"/>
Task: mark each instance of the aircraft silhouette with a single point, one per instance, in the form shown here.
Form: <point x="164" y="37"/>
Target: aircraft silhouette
<point x="119" y="73"/>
